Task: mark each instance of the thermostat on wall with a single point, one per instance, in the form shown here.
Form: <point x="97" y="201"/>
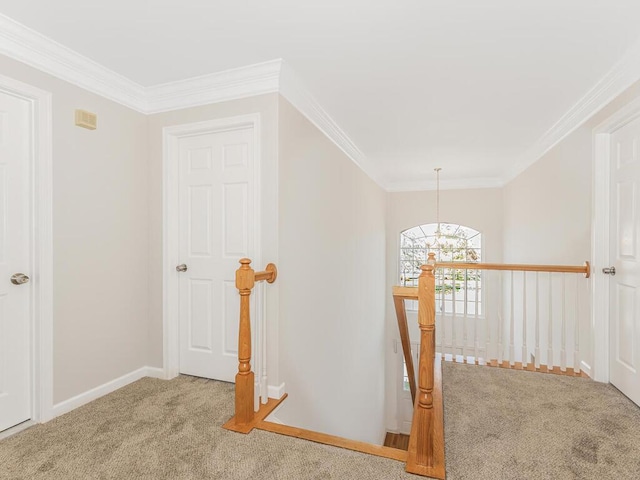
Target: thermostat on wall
<point x="86" y="119"/>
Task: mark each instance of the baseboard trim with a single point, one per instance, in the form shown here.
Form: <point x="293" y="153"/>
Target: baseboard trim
<point x="9" y="432"/>
<point x="585" y="369"/>
<point x="106" y="388"/>
<point x="317" y="437"/>
<point x="276" y="391"/>
<point x="155" y="372"/>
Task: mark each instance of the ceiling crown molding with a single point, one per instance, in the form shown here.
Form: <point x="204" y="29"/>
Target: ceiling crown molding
<point x="623" y="74"/>
<point x="32" y="48"/>
<point x="447" y="184"/>
<point x="216" y="87"/>
<point x="291" y="88"/>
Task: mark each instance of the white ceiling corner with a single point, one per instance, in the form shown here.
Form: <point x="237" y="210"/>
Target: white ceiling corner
<point x="32" y="48"/>
<point x="445" y="184"/>
<point x="231" y="84"/>
<point x="37" y="50"/>
<point x="623" y="74"/>
<point x="292" y="88"/>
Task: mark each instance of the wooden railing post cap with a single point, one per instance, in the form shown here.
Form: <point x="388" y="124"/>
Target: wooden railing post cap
<point x="430" y="266"/>
<point x="245" y="277"/>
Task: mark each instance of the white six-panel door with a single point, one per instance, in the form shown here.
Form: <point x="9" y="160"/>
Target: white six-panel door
<point x="15" y="300"/>
<point x="216" y="223"/>
<point x="625" y="284"/>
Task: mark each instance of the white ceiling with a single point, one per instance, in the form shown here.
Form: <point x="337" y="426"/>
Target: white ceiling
<point x="468" y="85"/>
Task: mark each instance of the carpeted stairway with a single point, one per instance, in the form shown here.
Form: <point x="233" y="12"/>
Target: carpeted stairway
<point x="500" y="424"/>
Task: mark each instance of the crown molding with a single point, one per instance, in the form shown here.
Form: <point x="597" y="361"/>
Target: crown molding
<point x="623" y="74"/>
<point x="447" y="184"/>
<point x="28" y="46"/>
<point x="227" y="85"/>
<point x="32" y="48"/>
<point x="291" y="88"/>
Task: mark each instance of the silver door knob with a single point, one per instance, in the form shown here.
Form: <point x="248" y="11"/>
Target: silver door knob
<point x="181" y="268"/>
<point x="19" y="279"/>
<point x="609" y="271"/>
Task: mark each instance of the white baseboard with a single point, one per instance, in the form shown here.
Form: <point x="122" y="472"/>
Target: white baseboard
<point x="155" y="372"/>
<point x="17" y="429"/>
<point x="585" y="368"/>
<point x="273" y="419"/>
<point x="97" y="392"/>
<point x="276" y="392"/>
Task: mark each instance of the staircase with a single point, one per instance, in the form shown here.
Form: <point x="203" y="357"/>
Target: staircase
<point x="512" y="338"/>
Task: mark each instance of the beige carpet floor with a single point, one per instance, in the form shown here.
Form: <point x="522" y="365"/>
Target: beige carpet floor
<point x="500" y="424"/>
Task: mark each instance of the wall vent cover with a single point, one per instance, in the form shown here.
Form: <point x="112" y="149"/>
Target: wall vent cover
<point x="86" y="119"/>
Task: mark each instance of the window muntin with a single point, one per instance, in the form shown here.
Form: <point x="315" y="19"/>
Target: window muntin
<point x="457" y="291"/>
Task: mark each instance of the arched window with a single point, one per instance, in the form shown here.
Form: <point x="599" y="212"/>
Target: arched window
<point x="457" y="291"/>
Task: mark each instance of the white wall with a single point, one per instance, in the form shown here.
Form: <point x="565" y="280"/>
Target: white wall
<point x="332" y="289"/>
<point x="548" y="208"/>
<point x="100" y="229"/>
<point x="480" y="209"/>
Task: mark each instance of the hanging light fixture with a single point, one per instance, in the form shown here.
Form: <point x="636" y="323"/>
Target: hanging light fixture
<point x="438" y="242"/>
<point x="438" y="232"/>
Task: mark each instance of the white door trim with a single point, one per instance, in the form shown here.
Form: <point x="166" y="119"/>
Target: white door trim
<point x="41" y="248"/>
<point x="600" y="236"/>
<point x="171" y="136"/>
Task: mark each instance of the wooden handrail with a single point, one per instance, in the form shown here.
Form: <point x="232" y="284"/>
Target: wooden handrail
<point x="246" y="278"/>
<point x="426" y="443"/>
<point x="401" y="315"/>
<point x="584" y="269"/>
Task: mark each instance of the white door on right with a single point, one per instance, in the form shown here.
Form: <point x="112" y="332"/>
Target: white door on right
<point x="624" y="320"/>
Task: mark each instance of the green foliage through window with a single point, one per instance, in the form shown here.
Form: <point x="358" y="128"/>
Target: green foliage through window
<point x="458" y="291"/>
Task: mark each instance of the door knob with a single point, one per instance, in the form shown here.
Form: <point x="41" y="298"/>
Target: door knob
<point x="181" y="268"/>
<point x="609" y="271"/>
<point x="19" y="279"/>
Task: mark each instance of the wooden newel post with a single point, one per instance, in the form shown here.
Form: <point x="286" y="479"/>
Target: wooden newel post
<point x="245" y="280"/>
<point x="427" y="324"/>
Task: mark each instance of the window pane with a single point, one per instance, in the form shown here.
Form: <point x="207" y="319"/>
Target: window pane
<point x="455" y="243"/>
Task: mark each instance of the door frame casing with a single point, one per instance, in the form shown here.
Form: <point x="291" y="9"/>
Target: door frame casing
<point x="170" y="195"/>
<point x="600" y="236"/>
<point x="41" y="245"/>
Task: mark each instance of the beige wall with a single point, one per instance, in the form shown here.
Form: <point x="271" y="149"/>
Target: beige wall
<point x="100" y="229"/>
<point x="332" y="295"/>
<point x="548" y="208"/>
<point x="267" y="107"/>
<point x="480" y="209"/>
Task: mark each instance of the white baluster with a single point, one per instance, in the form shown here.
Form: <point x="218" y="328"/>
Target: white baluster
<point x="576" y="348"/>
<point x="476" y="319"/>
<point x="537" y="351"/>
<point x="443" y="310"/>
<point x="465" y="334"/>
<point x="524" y="320"/>
<point x="454" y="344"/>
<point x="487" y="319"/>
<point x="500" y="326"/>
<point x="511" y="326"/>
<point x="563" y="329"/>
<point x="550" y="332"/>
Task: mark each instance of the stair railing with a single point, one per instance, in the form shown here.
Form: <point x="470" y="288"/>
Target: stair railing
<point x="246" y="278"/>
<point x="426" y="443"/>
<point x="525" y="317"/>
